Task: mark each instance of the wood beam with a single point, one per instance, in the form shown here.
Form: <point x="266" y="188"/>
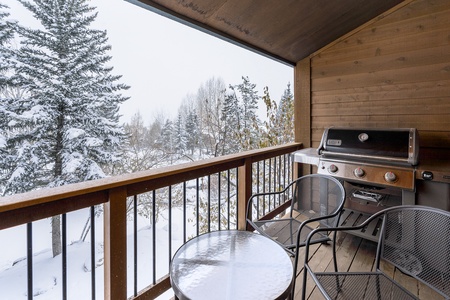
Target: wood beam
<point x="302" y="106"/>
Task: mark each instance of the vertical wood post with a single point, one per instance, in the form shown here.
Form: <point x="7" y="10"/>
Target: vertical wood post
<point x="244" y="192"/>
<point x="297" y="170"/>
<point x="115" y="243"/>
<point x="302" y="106"/>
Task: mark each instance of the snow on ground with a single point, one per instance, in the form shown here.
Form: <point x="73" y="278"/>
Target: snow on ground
<point x="47" y="271"/>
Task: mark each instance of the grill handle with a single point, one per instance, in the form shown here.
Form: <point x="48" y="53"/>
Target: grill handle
<point x="366" y="157"/>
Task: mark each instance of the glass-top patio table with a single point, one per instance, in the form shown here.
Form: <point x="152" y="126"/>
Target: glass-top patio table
<point x="231" y="264"/>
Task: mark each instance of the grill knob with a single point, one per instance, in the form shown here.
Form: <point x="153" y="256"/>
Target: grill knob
<point x="332" y="168"/>
<point x="390" y="177"/>
<point x="359" y="172"/>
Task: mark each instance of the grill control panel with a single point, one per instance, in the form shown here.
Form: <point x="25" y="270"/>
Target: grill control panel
<point x="383" y="175"/>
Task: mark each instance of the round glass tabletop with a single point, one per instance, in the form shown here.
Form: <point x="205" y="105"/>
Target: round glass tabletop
<point x="231" y="265"/>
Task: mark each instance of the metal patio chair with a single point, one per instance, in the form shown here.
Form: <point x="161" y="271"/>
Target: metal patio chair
<point x="414" y="239"/>
<point x="316" y="200"/>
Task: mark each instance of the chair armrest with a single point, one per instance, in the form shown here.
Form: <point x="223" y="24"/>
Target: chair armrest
<point x="342" y="228"/>
<point x="247" y="213"/>
<point x="360" y="226"/>
<point x="336" y="229"/>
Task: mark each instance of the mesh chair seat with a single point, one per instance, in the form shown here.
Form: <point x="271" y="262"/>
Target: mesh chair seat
<point x="361" y="286"/>
<point x="287" y="237"/>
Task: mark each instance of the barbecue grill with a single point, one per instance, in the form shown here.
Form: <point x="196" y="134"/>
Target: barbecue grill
<point x="376" y="166"/>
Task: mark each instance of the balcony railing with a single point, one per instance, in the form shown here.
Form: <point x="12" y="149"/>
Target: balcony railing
<point x="188" y="199"/>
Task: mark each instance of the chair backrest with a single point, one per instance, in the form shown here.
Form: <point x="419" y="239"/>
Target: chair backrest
<point x="416" y="239"/>
<point x="318" y="195"/>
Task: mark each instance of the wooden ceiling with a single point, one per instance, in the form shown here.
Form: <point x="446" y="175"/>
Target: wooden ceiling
<point x="287" y="30"/>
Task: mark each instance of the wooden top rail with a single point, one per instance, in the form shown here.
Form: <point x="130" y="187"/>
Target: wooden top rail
<point x="23" y="208"/>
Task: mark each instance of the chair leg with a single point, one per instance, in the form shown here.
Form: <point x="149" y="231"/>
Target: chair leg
<point x="305" y="274"/>
<point x="295" y="274"/>
<point x="338" y="288"/>
<point x="334" y="252"/>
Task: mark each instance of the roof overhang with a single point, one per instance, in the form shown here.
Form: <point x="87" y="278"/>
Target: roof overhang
<point x="285" y="30"/>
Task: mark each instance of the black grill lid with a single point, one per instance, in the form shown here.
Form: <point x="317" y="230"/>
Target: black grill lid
<point x="395" y="145"/>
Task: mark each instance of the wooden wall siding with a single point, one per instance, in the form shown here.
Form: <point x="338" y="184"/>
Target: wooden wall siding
<point x="394" y="72"/>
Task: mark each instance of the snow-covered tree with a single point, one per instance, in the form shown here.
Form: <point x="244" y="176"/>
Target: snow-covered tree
<point x="192" y="132"/>
<point x="166" y="140"/>
<point x="231" y="116"/>
<point x="286" y="116"/>
<point x="250" y="122"/>
<point x="7" y="91"/>
<point x="6" y="35"/>
<point x="279" y="126"/>
<point x="180" y="136"/>
<point x="65" y="127"/>
<point x="210" y="99"/>
<point x="270" y="134"/>
<point x="140" y="152"/>
<point x="242" y="104"/>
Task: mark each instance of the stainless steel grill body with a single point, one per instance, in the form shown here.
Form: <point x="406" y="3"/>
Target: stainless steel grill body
<point x="376" y="166"/>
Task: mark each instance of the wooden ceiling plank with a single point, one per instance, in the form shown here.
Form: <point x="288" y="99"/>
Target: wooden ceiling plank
<point x="287" y="30"/>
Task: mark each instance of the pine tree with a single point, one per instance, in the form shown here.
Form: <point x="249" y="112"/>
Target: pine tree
<point x="279" y="126"/>
<point x="285" y="117"/>
<point x="6" y="88"/>
<point x="192" y="132"/>
<point x="166" y="141"/>
<point x="271" y="132"/>
<point x="249" y="123"/>
<point x="180" y="136"/>
<point x="231" y="116"/>
<point x="65" y="127"/>
<point x="6" y="35"/>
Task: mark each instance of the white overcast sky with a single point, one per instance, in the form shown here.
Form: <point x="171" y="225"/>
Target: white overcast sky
<point x="164" y="61"/>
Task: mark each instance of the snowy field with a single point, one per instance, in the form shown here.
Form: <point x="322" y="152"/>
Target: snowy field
<point x="47" y="271"/>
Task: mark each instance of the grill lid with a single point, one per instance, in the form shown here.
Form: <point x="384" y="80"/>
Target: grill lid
<point x="386" y="145"/>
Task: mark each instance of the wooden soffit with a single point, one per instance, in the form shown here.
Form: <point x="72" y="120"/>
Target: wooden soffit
<point x="286" y="30"/>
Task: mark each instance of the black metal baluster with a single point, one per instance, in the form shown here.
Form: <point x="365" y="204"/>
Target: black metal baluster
<point x="170" y="224"/>
<point x="198" y="206"/>
<point x="30" y="260"/>
<point x="279" y="180"/>
<point x="64" y="256"/>
<point x="154" y="235"/>
<point x="284" y="175"/>
<point x="184" y="212"/>
<point x="264" y="186"/>
<point x="276" y="179"/>
<point x="218" y="196"/>
<point x="270" y="182"/>
<point x="228" y="197"/>
<point x="135" y="243"/>
<point x="209" y="203"/>
<point x="257" y="189"/>
<point x="274" y="182"/>
<point x="275" y="185"/>
<point x="93" y="252"/>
